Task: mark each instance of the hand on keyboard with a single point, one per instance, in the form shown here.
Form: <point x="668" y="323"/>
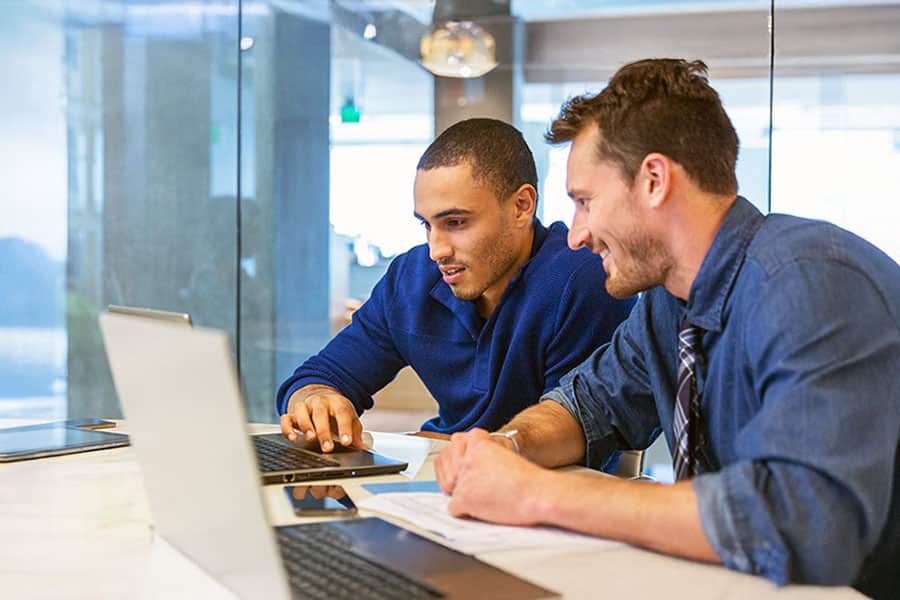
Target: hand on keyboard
<point x="319" y="412"/>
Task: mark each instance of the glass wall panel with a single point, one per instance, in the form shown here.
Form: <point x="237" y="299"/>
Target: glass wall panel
<point x="836" y="139"/>
<point x="133" y="125"/>
<point x="333" y="119"/>
<point x="122" y="129"/>
<point x="33" y="144"/>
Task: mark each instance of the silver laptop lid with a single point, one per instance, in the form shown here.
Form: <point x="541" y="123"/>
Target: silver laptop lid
<point x="180" y="395"/>
<point x="151" y="313"/>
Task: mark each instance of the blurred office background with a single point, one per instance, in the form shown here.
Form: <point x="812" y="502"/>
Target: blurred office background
<point x="251" y="162"/>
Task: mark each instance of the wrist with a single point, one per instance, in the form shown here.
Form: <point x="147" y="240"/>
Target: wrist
<point x="540" y="503"/>
<point x="511" y="439"/>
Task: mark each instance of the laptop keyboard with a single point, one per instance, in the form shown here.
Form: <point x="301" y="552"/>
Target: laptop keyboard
<point x="320" y="564"/>
<point x="272" y="456"/>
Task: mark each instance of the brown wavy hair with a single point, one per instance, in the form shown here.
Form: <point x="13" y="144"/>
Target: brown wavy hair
<point x="663" y="105"/>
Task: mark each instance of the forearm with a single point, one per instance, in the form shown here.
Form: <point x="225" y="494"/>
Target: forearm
<point x="337" y="365"/>
<point x="660" y="517"/>
<point x="548" y="435"/>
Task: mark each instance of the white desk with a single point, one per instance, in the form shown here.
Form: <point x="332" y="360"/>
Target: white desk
<point x="78" y="526"/>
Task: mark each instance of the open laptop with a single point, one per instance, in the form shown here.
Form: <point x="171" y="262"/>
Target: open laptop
<point x="279" y="461"/>
<point x="151" y="313"/>
<point x="179" y="392"/>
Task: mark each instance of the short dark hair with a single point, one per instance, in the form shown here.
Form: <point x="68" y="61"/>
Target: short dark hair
<point x="496" y="152"/>
<point x="663" y="105"/>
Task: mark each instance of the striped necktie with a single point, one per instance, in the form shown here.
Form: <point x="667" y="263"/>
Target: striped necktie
<point x="686" y="423"/>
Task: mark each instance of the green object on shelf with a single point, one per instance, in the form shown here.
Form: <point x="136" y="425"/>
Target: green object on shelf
<point x="349" y="112"/>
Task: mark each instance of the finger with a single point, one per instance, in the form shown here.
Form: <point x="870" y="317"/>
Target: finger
<point x="440" y="473"/>
<point x="438" y="466"/>
<point x="299" y="491"/>
<point x="446" y="470"/>
<point x="358" y="441"/>
<point x="322" y="422"/>
<point x="459" y="450"/>
<point x="477" y="435"/>
<point x="303" y="422"/>
<point x="451" y="461"/>
<point x="287" y="427"/>
<point x="459" y="440"/>
<point x="456" y="507"/>
<point x="344" y="417"/>
<point x="459" y="446"/>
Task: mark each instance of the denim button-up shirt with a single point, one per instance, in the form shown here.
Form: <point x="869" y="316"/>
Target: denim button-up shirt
<point x="800" y="392"/>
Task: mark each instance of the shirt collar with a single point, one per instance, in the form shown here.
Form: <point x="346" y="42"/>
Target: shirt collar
<point x="723" y="261"/>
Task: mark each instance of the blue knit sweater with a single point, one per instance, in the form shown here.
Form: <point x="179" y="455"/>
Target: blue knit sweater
<point x="553" y="313"/>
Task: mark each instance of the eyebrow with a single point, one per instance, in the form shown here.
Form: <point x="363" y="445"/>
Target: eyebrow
<point x="450" y="212"/>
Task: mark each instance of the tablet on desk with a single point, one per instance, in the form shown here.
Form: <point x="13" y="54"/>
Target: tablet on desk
<point x="53" y="439"/>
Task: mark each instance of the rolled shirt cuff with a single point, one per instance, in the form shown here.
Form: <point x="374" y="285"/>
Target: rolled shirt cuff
<point x="600" y="451"/>
<point x="724" y="502"/>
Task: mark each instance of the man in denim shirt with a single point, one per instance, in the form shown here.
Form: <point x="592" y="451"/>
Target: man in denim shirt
<point x="792" y="459"/>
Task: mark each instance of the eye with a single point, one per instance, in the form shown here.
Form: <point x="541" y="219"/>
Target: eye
<point x="426" y="225"/>
<point x="455" y="223"/>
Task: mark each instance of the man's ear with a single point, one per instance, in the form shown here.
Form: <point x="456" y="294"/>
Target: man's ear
<point x="655" y="178"/>
<point x="524" y="204"/>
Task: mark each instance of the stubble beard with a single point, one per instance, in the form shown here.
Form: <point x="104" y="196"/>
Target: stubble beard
<point x="498" y="257"/>
<point x="646" y="259"/>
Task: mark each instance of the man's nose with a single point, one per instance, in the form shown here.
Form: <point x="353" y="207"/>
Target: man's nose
<point x="438" y="247"/>
<point x="578" y="234"/>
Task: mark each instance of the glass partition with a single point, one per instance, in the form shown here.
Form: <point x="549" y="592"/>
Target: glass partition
<point x="122" y="129"/>
<point x="836" y="126"/>
<point x="252" y="162"/>
<point x="33" y="143"/>
<point x="332" y="125"/>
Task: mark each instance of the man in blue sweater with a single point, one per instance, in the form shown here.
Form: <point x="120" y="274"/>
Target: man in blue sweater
<point x="490" y="313"/>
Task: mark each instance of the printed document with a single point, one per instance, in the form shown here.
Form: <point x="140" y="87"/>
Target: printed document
<point x="428" y="511"/>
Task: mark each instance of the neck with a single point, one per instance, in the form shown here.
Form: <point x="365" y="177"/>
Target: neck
<point x="488" y="301"/>
<point x="696" y="220"/>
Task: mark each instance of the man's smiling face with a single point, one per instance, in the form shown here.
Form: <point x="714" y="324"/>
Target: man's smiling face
<point x="609" y="220"/>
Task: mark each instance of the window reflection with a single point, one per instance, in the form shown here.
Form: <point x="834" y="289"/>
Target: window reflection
<point x="835" y="137"/>
<point x="124" y="148"/>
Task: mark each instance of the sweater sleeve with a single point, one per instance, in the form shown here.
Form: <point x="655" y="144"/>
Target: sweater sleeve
<point x="362" y="358"/>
